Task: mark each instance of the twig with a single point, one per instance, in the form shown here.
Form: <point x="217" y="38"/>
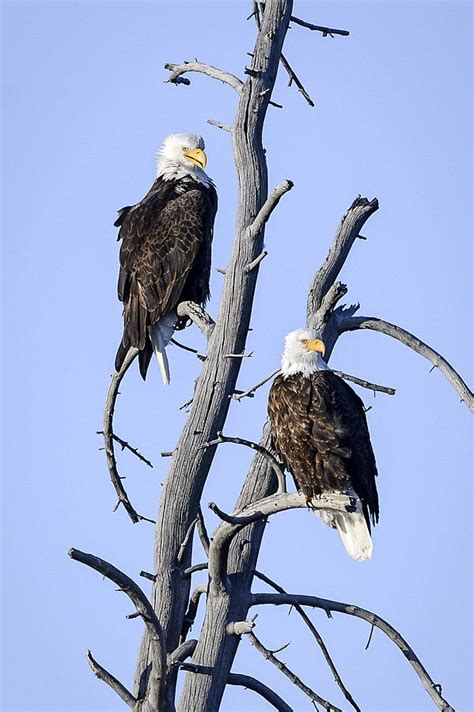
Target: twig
<point x="268" y="207"/>
<point x="366" y="384"/>
<point x="291" y="675"/>
<point x="244" y="354"/>
<point x="125" y="445"/>
<point x="220" y="125"/>
<point x="277" y="469"/>
<point x="197" y="315"/>
<point x="256" y="686"/>
<point x="328" y="606"/>
<point x="325" y="30"/>
<point x="318" y="639"/>
<point x="247" y="393"/>
<point x="112" y="681"/>
<point x="369" y="640"/>
<point x="109" y="439"/>
<point x="177" y="70"/>
<point x="414" y="343"/>
<point x="256" y="261"/>
<point x="201" y="357"/>
<point x="293" y="77"/>
<point x="144" y="608"/>
<point x="148" y="575"/>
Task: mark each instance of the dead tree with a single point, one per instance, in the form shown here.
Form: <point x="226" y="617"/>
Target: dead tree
<point x="233" y="550"/>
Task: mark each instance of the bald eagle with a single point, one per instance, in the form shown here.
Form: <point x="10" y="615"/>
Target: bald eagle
<point x="165" y="256"/>
<point x="319" y="429"/>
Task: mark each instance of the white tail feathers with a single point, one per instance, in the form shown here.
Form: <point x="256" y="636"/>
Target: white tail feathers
<point x="355" y="535"/>
<point x="353" y="531"/>
<point x="160" y="335"/>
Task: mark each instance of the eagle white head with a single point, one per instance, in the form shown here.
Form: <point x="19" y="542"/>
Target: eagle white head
<point x="182" y="155"/>
<point x="303" y="354"/>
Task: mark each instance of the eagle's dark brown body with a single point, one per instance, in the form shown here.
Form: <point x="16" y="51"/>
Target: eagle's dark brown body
<point x="320" y="431"/>
<point x="165" y="257"/>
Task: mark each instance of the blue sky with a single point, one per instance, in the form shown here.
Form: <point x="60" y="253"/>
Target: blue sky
<point x="85" y="110"/>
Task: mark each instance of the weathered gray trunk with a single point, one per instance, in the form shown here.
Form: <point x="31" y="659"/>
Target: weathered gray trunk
<point x="190" y="465"/>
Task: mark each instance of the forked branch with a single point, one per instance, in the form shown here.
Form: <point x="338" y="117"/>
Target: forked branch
<point x="233" y="523"/>
<point x="155" y="690"/>
<point x="279" y="599"/>
<point x="269" y="655"/>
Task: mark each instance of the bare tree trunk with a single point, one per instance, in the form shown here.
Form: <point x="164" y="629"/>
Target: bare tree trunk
<point x="190" y="466"/>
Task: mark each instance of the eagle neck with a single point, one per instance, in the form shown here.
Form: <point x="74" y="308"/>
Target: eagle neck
<point x="170" y="171"/>
<point x="304" y="366"/>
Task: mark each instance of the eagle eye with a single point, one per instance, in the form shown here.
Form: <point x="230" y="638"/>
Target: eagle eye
<point x="185" y="148"/>
<point x="304" y="341"/>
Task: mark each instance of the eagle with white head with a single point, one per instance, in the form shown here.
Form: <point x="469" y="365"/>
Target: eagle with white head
<point x="165" y="256"/>
<point x="319" y="429"/>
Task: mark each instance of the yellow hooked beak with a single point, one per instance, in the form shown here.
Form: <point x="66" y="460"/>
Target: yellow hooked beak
<point x="316" y="345"/>
<point x="197" y="156"/>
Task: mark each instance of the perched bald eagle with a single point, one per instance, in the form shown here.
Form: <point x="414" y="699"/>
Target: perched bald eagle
<point x="165" y="256"/>
<point x="319" y="430"/>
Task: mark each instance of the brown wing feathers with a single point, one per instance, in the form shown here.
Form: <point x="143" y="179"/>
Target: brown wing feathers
<point x="163" y="238"/>
<point x="319" y="429"/>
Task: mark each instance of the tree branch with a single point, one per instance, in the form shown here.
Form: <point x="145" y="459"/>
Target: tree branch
<point x="293" y="77"/>
<point x="256" y="686"/>
<point x="414" y="343"/>
<point x="261" y="509"/>
<point x="366" y="384"/>
<point x="291" y="675"/>
<point x="347" y="232"/>
<point x="177" y="70"/>
<point x="157" y="675"/>
<point x="318" y="639"/>
<point x="197" y="315"/>
<point x="126" y="446"/>
<point x="277" y="469"/>
<point x="109" y="438"/>
<point x="325" y="30"/>
<point x="220" y="125"/>
<point x="268" y="207"/>
<point x="112" y="681"/>
<point x="245" y="394"/>
<point x="329" y="606"/>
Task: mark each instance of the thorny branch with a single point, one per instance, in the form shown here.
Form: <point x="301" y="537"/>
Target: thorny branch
<point x="291" y="675"/>
<point x="126" y="446"/>
<point x="157" y="675"/>
<point x="329" y="606"/>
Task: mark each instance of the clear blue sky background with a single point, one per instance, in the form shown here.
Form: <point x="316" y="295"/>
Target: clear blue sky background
<point x="85" y="111"/>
